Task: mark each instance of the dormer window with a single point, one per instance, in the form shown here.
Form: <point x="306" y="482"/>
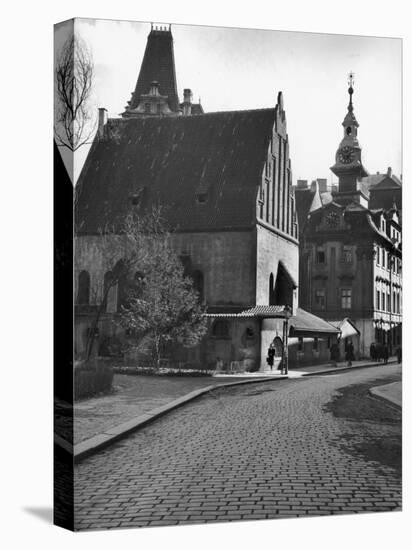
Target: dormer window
<point x="201" y="198"/>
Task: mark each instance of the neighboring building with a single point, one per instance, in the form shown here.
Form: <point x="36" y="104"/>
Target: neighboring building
<point x="350" y="249"/>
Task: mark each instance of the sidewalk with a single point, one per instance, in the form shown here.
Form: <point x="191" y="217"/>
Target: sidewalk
<point x="108" y="435"/>
<point x="390" y="392"/>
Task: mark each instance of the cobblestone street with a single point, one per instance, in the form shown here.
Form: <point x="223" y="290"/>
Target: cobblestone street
<point x="265" y="450"/>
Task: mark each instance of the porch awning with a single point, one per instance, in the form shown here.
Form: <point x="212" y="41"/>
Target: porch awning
<point x="304" y="323"/>
<point x="264" y="312"/>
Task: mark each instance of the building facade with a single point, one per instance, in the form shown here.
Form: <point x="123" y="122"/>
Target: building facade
<point x="351" y="251"/>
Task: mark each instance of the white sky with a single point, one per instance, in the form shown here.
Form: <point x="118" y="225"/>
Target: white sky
<point x="244" y="69"/>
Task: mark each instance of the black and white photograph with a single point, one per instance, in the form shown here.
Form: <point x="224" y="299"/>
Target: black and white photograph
<point x="236" y="279"/>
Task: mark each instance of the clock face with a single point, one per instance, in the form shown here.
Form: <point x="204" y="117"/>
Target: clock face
<point x="346" y="154"/>
<point x="332" y="219"/>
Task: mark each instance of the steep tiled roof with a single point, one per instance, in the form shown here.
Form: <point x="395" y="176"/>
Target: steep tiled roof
<point x="205" y="169"/>
<point x="158" y="65"/>
<point x="303" y="201"/>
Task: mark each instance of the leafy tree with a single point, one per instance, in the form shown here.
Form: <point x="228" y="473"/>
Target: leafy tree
<point x="163" y="307"/>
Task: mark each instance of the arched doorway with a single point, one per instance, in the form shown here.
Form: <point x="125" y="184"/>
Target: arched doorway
<point x="275" y="351"/>
<point x="284" y="287"/>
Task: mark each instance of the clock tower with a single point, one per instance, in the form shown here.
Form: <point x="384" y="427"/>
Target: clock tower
<point x="348" y="161"/>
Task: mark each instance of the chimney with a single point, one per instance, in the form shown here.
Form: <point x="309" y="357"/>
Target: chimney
<point x="302" y="184"/>
<point x="389" y="172"/>
<point x="323" y="184"/>
<point x="187" y="101"/>
<point x="102" y="122"/>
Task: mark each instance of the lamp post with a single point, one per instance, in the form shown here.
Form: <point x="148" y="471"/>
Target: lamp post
<point x="288" y="314"/>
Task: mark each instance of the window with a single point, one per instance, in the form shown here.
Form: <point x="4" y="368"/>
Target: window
<point x="83" y="294"/>
<point x="220" y="329"/>
<point x="347" y="254"/>
<point x="346" y="298"/>
<point x="378" y="299"/>
<point x="388" y="301"/>
<point x="394" y="302"/>
<point x="320" y="301"/>
<point x="398" y="302"/>
<point x="300" y="344"/>
<point x="198" y="283"/>
<point x="383" y="258"/>
<point x="320" y="256"/>
<point x="383" y="301"/>
<point x="315" y="344"/>
<point x="147" y="107"/>
<point x="378" y="255"/>
<point x="110" y="292"/>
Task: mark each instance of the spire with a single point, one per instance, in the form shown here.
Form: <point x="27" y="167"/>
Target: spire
<point x="351" y="81"/>
<point x="158" y="66"/>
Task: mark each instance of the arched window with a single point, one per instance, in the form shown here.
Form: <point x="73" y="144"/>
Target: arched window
<point x="271" y="293"/>
<point x="278" y="346"/>
<point x="220" y="329"/>
<point x="110" y="292"/>
<point x="83" y="293"/>
<point x="198" y="283"/>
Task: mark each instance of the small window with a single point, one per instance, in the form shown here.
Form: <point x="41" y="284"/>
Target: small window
<point x="348" y="131"/>
<point x="147" y="107"/>
<point x="320" y="256"/>
<point x="83" y="294"/>
<point x="201" y="198"/>
<point x="346" y="298"/>
<point x="250" y="333"/>
<point x="347" y="257"/>
<point x="320" y="301"/>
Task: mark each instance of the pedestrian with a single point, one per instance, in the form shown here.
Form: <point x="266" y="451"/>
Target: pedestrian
<point x="385" y="354"/>
<point x="334" y="353"/>
<point x="372" y="351"/>
<point x="271" y="355"/>
<point x="349" y="353"/>
<point x="399" y="354"/>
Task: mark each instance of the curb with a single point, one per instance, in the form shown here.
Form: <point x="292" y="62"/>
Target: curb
<point x="96" y="443"/>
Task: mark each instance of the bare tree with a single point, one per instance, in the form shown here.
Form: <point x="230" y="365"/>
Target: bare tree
<point x="75" y="121"/>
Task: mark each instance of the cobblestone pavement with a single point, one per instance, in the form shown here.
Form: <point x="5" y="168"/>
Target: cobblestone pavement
<point x="268" y="450"/>
<point x="134" y="396"/>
